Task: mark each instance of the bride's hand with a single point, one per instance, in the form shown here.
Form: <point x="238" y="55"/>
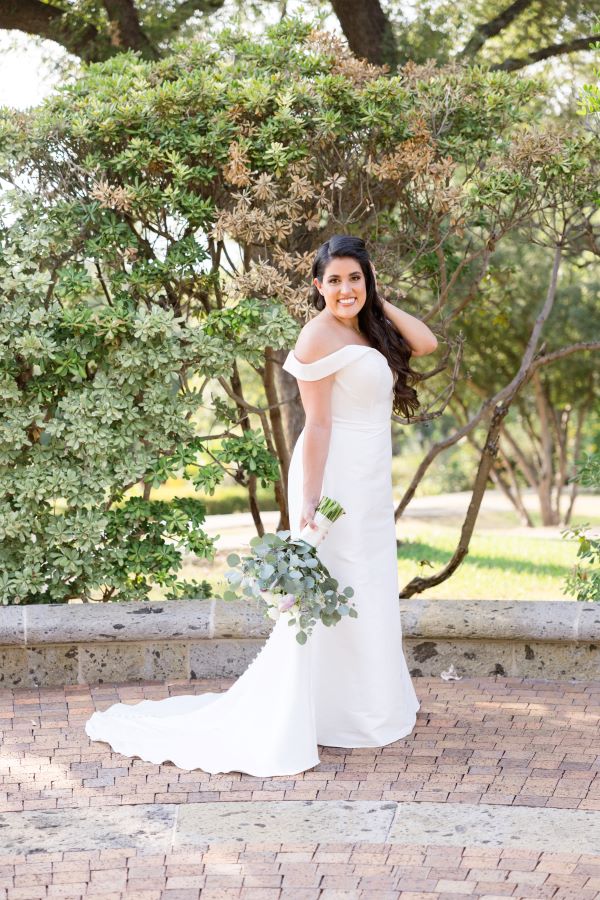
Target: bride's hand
<point x="307" y="516"/>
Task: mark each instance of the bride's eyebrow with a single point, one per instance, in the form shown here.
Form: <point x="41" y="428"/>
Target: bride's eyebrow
<point x="337" y="276"/>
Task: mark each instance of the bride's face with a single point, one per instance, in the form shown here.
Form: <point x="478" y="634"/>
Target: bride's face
<point x="344" y="289"/>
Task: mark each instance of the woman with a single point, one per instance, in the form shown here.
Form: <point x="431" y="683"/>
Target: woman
<point x="349" y="686"/>
<point x="353" y="313"/>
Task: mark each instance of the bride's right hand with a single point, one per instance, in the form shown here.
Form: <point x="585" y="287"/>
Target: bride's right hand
<point x="307" y="516"/>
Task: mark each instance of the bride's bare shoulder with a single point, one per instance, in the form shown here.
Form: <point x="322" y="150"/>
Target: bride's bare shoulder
<point x="314" y="341"/>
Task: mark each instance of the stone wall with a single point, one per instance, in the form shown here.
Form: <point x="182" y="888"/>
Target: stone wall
<point x="186" y="639"/>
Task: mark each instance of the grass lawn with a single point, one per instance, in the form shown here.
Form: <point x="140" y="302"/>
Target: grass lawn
<point x="497" y="567"/>
<point x="505" y="561"/>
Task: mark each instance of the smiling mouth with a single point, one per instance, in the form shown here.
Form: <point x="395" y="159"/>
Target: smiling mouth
<point x="347" y="302"/>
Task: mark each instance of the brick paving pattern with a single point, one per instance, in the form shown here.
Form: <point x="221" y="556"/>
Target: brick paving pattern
<point x="304" y="872"/>
<point x="496" y="740"/>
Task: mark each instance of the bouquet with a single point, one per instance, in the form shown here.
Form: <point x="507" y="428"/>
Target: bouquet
<point x="290" y="579"/>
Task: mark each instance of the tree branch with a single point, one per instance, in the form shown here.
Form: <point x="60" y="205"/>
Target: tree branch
<point x="502" y="397"/>
<point x="502" y="401"/>
<point x="490" y="29"/>
<point x="527" y="468"/>
<point x="30" y="16"/>
<point x="581" y="416"/>
<point x="47" y="21"/>
<point x="185" y="11"/>
<point x="488" y="457"/>
<point x="513" y="63"/>
<point x="52" y="23"/>
<point x="562" y="352"/>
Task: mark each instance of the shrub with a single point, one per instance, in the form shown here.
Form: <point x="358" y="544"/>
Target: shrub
<point x="583" y="581"/>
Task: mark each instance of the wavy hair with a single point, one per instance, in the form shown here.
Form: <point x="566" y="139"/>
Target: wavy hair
<point x="371" y="320"/>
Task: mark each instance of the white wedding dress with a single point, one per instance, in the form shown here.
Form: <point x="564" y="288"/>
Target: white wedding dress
<point x="349" y="685"/>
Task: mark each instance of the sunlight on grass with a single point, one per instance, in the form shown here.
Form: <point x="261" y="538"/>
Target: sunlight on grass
<point x="496" y="567"/>
<point x="499" y="565"/>
<point x="228" y="497"/>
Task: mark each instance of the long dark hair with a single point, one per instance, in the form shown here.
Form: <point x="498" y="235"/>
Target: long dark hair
<point x="371" y="319"/>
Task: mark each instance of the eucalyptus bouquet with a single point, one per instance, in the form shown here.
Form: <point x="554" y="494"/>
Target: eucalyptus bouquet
<point x="290" y="579"/>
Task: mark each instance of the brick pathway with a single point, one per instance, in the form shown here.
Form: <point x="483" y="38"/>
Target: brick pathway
<point x="495" y="741"/>
<point x="304" y="872"/>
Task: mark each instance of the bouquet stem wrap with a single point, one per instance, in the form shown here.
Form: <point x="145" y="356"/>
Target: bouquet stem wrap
<point x="315" y="537"/>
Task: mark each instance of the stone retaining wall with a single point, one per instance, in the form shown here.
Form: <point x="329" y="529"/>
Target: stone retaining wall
<point x="186" y="639"/>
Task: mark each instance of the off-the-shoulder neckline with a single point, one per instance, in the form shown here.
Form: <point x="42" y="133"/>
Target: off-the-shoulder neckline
<point x="329" y="355"/>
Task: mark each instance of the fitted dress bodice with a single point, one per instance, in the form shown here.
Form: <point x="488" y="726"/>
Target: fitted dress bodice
<point x="361" y="394"/>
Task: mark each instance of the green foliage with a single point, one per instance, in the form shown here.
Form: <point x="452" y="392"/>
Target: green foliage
<point x="249" y="450"/>
<point x="90" y="399"/>
<point x="588" y="472"/>
<point x="589" y="101"/>
<point x="291" y="569"/>
<point x="583" y="581"/>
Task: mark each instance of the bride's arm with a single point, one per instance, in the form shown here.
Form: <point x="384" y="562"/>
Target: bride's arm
<point x="416" y="333"/>
<point x="315" y="395"/>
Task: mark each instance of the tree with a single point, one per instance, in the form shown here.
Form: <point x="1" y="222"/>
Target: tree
<point x="368" y="30"/>
<point x="590" y="95"/>
<point x="561" y="221"/>
<point x="541" y="437"/>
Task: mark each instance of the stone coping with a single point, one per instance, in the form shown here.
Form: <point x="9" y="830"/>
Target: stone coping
<point x="162" y="827"/>
<point x="193" y="620"/>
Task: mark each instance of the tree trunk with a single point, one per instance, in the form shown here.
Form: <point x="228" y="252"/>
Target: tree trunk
<point x="581" y="415"/>
<point x="125" y="29"/>
<point x="545" y="475"/>
<point x="559" y="420"/>
<point x="236" y="385"/>
<point x="367" y="30"/>
<point x="279" y="438"/>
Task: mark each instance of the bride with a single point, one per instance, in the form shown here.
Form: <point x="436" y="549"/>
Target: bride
<point x="349" y="685"/>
